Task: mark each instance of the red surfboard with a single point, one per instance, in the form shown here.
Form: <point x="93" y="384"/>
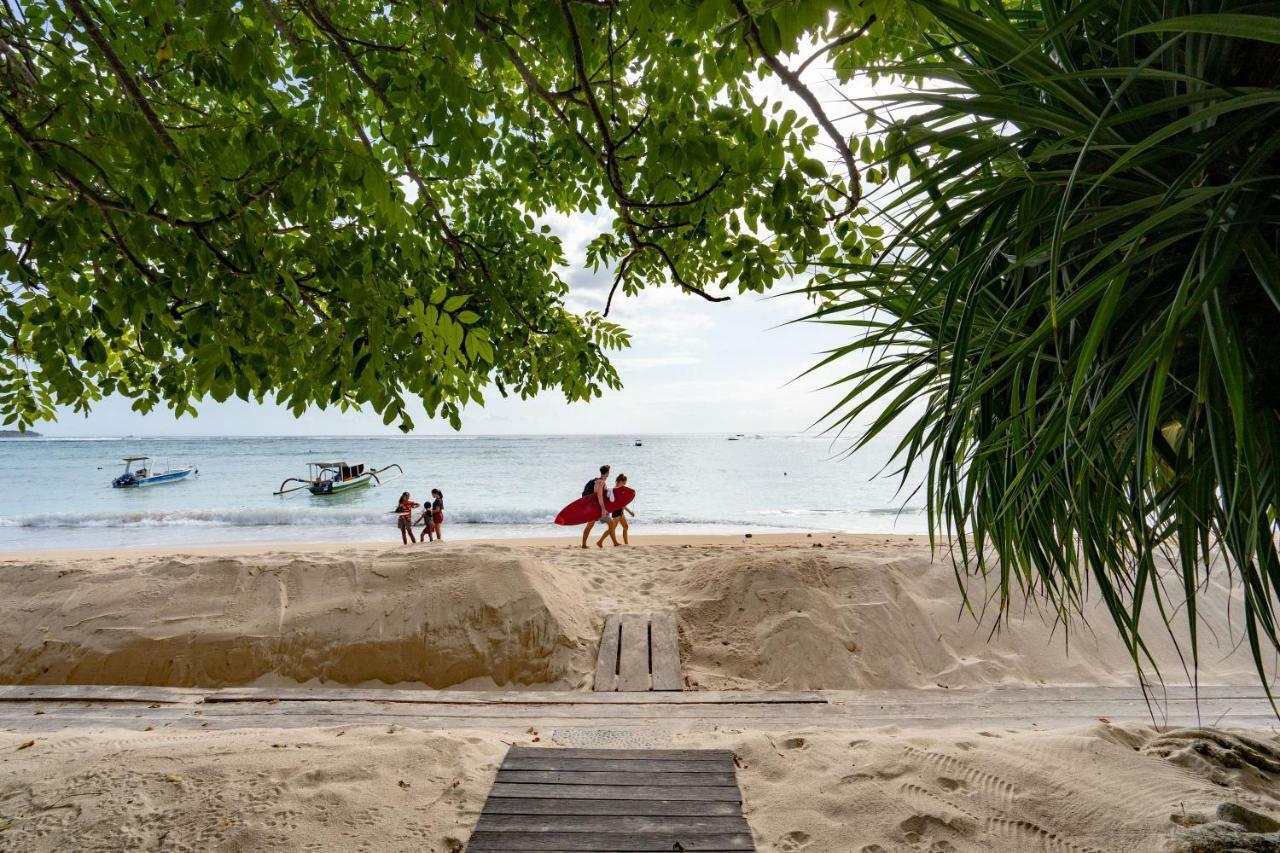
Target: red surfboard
<point x="588" y="508"/>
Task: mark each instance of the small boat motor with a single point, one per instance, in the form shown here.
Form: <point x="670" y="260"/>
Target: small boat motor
<point x="129" y="478"/>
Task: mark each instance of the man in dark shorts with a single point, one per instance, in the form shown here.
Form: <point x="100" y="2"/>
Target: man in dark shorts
<point x="597" y="487"/>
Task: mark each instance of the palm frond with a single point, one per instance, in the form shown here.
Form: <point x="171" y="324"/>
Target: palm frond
<point x="1085" y="291"/>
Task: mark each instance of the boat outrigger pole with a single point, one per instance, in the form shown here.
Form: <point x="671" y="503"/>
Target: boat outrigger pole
<point x="283" y="491"/>
<point x="382" y="480"/>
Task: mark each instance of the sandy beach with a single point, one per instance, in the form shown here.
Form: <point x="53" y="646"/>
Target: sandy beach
<point x="795" y="612"/>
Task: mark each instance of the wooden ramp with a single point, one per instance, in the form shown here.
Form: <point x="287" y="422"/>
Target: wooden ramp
<point x="613" y="800"/>
<point x="639" y="652"/>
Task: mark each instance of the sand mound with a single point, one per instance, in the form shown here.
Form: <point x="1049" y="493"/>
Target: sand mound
<point x="438" y="617"/>
<point x="890" y="618"/>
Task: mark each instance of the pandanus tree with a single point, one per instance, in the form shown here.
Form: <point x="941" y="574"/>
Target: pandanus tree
<point x="1078" y="314"/>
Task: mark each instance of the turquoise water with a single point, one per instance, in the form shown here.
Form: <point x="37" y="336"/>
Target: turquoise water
<point x="495" y="486"/>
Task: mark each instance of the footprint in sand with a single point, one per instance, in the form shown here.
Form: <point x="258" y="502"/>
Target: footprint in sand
<point x="795" y="840"/>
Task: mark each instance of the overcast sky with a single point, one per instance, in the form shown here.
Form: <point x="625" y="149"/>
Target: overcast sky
<point x="693" y="366"/>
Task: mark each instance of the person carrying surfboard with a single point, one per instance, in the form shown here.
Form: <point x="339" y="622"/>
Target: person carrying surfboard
<point x="598" y="487"/>
<point x="617" y="519"/>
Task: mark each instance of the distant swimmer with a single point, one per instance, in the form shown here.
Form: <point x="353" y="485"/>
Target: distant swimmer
<point x="404" y="518"/>
<point x="617" y="519"/>
<point x="599" y="488"/>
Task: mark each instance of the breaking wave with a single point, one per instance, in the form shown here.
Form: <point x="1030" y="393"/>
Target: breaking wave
<point x="297" y="517"/>
<point x="283" y="517"/>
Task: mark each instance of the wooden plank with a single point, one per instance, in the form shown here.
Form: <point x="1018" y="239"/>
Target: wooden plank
<point x="1047" y="718"/>
<point x="504" y="697"/>
<point x="626" y="765"/>
<point x="684" y="793"/>
<point x="531" y="806"/>
<point x="593" y="777"/>
<point x="618" y="754"/>
<point x="633" y="656"/>
<point x="843" y="715"/>
<point x="532" y="712"/>
<point x="187" y="695"/>
<point x="606" y="678"/>
<point x="497" y="842"/>
<point x="649" y="824"/>
<point x="664" y="652"/>
<point x="1000" y="696"/>
<point x="100" y="693"/>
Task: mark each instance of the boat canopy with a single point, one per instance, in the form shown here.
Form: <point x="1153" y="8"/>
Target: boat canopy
<point x="136" y="458"/>
<point x="344" y="469"/>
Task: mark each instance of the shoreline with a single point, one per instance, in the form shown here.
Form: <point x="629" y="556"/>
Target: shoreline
<point x="638" y="541"/>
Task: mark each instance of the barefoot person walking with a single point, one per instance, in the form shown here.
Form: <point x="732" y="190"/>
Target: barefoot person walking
<point x="617" y="519"/>
<point x="597" y="487"/>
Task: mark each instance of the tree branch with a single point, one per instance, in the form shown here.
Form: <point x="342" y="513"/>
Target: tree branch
<point x="843" y="40"/>
<point x="127" y="82"/>
<point x="796" y="85"/>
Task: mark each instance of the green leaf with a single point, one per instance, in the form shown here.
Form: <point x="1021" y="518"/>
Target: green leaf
<point x="1255" y="27"/>
<point x="812" y="168"/>
<point x="93" y="351"/>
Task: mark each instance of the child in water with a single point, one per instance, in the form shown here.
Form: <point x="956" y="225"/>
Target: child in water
<point x="618" y="519"/>
<point x="427" y="519"/>
<point x="404" y="519"/>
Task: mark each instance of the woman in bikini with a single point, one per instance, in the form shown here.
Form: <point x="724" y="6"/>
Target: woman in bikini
<point x="617" y="519"/>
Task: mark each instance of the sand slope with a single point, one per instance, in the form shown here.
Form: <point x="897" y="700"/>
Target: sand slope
<point x="421" y="616"/>
<point x="871" y="612"/>
<point x="1103" y="788"/>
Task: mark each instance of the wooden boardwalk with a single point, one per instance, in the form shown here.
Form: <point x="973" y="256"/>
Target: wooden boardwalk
<point x="613" y="800"/>
<point x="639" y="652"/>
<point x="51" y="708"/>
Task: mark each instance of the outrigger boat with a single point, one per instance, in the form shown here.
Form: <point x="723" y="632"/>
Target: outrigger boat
<point x="147" y="474"/>
<point x="332" y="478"/>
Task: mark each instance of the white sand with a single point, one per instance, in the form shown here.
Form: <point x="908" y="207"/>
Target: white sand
<point x="872" y="612"/>
<point x="1104" y="788"/>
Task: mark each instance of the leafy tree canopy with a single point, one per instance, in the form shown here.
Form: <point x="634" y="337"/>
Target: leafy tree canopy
<point x="337" y="203"/>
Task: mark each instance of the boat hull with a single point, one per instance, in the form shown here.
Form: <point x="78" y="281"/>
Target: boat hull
<point x="156" y="480"/>
<point x="337" y="488"/>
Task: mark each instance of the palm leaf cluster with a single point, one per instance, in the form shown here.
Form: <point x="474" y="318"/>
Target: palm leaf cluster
<point x="1084" y="290"/>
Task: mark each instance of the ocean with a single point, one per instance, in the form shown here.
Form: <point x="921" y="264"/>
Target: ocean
<point x="495" y="486"/>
